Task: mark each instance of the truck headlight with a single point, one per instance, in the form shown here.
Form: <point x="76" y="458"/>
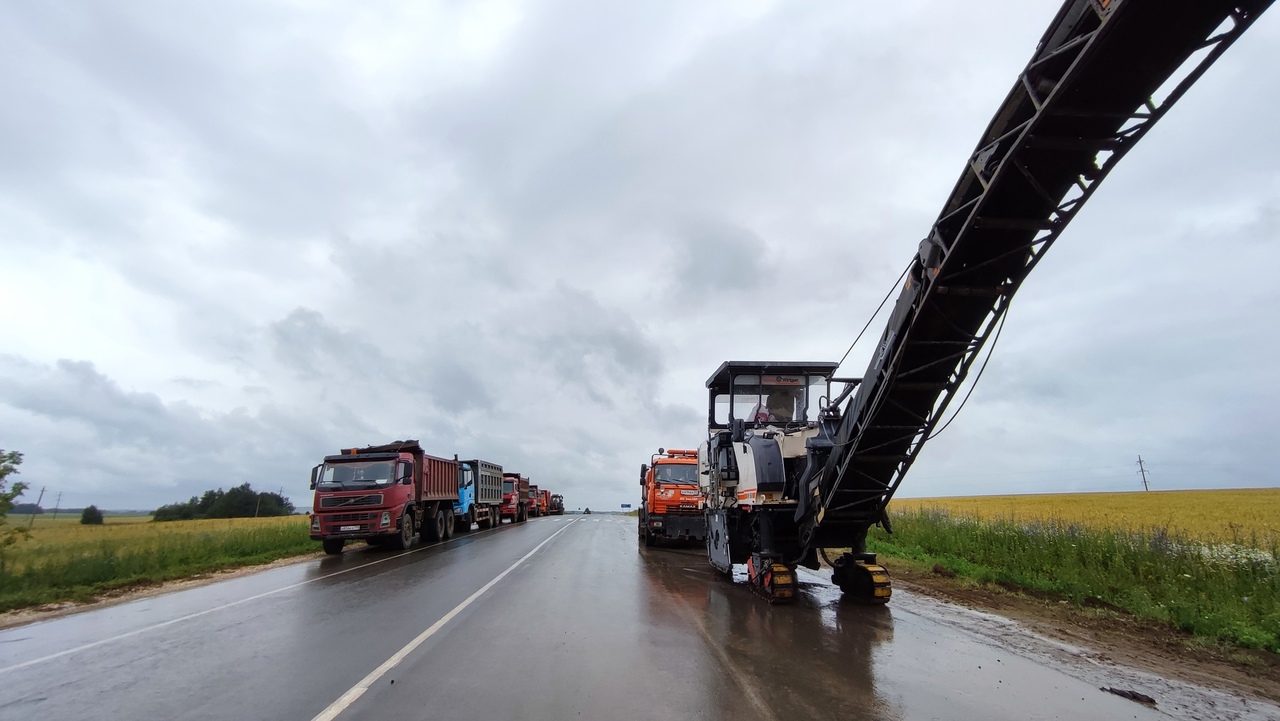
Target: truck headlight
<point x="315" y="523"/>
<point x="386" y="518"/>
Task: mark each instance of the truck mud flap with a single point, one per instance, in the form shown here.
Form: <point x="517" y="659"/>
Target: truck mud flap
<point x="718" y="541"/>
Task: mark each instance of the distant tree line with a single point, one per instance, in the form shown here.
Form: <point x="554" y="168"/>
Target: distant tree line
<point x="27" y="509"/>
<point x="239" y="502"/>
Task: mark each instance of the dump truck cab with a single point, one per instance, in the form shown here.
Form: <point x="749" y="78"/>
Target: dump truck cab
<point x="515" y="492"/>
<point x="533" y="501"/>
<point x="670" y="502"/>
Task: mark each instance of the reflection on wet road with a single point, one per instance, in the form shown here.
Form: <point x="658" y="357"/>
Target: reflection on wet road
<point x="586" y="626"/>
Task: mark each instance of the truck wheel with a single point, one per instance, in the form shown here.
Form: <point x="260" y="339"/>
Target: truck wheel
<point x="449" y="524"/>
<point x="463" y="524"/>
<point x="435" y="527"/>
<point x="333" y="546"/>
<point x="487" y="522"/>
<point x="404" y="538"/>
<point x="649" y="538"/>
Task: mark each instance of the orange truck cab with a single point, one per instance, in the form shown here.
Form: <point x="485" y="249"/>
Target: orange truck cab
<point x="670" y="502"/>
<point x="544" y="502"/>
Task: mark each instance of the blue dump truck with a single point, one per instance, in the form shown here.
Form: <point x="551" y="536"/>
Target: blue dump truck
<point x="479" y="496"/>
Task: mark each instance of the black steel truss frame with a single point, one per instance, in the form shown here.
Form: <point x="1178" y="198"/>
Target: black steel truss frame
<point x="1082" y="102"/>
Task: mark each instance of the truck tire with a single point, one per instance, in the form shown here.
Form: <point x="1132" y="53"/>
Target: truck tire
<point x="487" y="522"/>
<point x="463" y="524"/>
<point x="449" y="523"/>
<point x="404" y="538"/>
<point x="434" y="529"/>
<point x="333" y="546"/>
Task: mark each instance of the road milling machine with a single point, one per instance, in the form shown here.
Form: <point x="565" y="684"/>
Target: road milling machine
<point x="799" y="461"/>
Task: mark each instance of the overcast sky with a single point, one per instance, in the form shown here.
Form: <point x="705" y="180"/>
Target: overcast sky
<point x="238" y="236"/>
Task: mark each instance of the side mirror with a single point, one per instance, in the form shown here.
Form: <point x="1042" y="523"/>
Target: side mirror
<point x="644" y="471"/>
<point x="315" y="475"/>
<point x="737" y="430"/>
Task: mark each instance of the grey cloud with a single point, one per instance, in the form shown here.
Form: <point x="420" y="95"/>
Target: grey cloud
<point x="721" y="262"/>
<point x="537" y="254"/>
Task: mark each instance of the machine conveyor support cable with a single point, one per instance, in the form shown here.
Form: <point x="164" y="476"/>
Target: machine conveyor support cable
<point x="990" y="349"/>
<point x="879" y="308"/>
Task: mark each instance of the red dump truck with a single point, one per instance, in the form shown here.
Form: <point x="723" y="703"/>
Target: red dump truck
<point x="535" y="501"/>
<point x="383" y="494"/>
<point x="515" y="497"/>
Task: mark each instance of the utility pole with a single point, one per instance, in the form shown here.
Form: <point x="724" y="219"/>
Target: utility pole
<point x="1143" y="471"/>
<point x="56" y="505"/>
<point x="32" y="521"/>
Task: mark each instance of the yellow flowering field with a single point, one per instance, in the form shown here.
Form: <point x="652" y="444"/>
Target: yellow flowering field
<point x="66" y="560"/>
<point x="1222" y="516"/>
<point x="68" y="531"/>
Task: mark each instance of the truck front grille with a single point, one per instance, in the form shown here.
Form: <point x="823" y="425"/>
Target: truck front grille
<point x="374" y="499"/>
<point x="348" y="517"/>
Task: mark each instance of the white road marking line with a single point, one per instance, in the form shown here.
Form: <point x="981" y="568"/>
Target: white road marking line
<point x="197" y="614"/>
<point x="355" y="692"/>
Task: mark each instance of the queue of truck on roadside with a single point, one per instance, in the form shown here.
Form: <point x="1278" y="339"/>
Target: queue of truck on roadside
<point x="389" y="494"/>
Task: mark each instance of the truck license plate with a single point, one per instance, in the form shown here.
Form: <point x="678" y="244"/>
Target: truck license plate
<point x="348" y="528"/>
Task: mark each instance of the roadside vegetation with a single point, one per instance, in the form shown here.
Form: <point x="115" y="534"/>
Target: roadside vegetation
<point x="1222" y="585"/>
<point x="10" y="535"/>
<point x="66" y="561"/>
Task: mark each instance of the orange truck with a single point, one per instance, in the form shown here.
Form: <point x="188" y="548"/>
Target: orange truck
<point x="670" y="502"/>
<point x="544" y="502"/>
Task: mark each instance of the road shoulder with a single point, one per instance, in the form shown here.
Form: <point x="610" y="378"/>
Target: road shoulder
<point x="1110" y="635"/>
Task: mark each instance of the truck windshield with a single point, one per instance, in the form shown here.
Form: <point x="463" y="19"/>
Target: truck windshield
<point x="508" y="486"/>
<point x="676" y="473"/>
<point x="357" y="474"/>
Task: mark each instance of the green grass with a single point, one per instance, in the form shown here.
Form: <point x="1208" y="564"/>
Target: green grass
<point x="1228" y="592"/>
<point x="89" y="561"/>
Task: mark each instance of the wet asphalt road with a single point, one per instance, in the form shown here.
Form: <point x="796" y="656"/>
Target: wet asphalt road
<point x="558" y="618"/>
